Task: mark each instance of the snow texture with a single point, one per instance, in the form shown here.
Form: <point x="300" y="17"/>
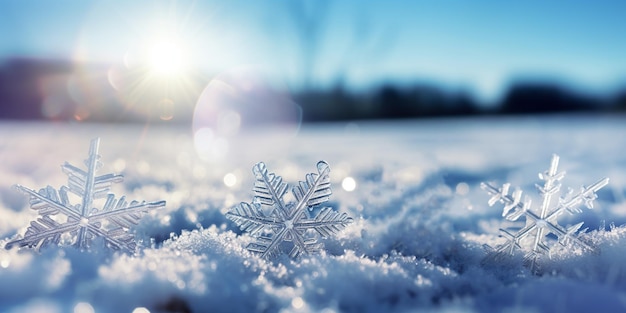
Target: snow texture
<point x="415" y="245"/>
<point x="83" y="221"/>
<point x="288" y="222"/>
<point x="544" y="222"/>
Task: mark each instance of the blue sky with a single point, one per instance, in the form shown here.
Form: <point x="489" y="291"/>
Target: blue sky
<point x="480" y="44"/>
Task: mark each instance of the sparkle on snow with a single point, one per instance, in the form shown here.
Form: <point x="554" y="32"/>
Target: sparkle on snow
<point x="83" y="221"/>
<point x="288" y="221"/>
<point x="539" y="224"/>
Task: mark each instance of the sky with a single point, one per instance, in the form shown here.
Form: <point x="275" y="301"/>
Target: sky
<point x="479" y="44"/>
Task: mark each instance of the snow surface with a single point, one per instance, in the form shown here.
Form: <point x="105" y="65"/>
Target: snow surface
<point x="416" y="243"/>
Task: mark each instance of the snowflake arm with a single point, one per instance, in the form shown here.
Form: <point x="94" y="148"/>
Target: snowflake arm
<point x="261" y="245"/>
<point x="123" y="215"/>
<point x="303" y="245"/>
<point x="250" y="218"/>
<point x="327" y="223"/>
<point x="316" y="189"/>
<point x="269" y="188"/>
<point x="585" y="197"/>
<point x="510" y="201"/>
<point x="48" y="201"/>
<point x="82" y="221"/>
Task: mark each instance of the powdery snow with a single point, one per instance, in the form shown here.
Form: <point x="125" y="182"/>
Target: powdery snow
<point x="416" y="242"/>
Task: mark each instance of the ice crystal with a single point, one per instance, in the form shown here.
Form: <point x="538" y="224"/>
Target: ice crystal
<point x="532" y="238"/>
<point x="288" y="222"/>
<point x="83" y="222"/>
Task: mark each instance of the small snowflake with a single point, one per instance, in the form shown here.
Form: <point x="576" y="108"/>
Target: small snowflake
<point x="532" y="238"/>
<point x="288" y="222"/>
<point x="83" y="221"/>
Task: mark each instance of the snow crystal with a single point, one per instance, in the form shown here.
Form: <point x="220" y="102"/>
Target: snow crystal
<point x="533" y="237"/>
<point x="83" y="221"/>
<point x="288" y="221"/>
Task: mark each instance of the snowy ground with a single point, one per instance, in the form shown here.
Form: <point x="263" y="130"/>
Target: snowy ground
<point x="416" y="244"/>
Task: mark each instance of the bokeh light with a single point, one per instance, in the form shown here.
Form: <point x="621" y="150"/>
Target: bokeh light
<point x="83" y="307"/>
<point x="348" y="184"/>
<point x="208" y="145"/>
<point x="230" y="180"/>
<point x="297" y="303"/>
<point x="462" y="189"/>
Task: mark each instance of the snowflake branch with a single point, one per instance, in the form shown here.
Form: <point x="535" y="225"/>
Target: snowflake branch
<point x="51" y="202"/>
<point x="250" y="218"/>
<point x="586" y="196"/>
<point x="269" y="188"/>
<point x="316" y="189"/>
<point x="127" y="211"/>
<point x="511" y="202"/>
<point x="41" y="230"/>
<point x="327" y="222"/>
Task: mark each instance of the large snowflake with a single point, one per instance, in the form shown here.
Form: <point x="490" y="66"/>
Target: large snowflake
<point x="83" y="222"/>
<point x="540" y="222"/>
<point x="288" y="222"/>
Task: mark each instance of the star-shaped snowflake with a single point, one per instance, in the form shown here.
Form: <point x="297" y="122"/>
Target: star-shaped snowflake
<point x="539" y="224"/>
<point x="288" y="222"/>
<point x="83" y="221"/>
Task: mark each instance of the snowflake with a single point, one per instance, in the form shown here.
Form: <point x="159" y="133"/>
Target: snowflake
<point x="533" y="236"/>
<point x="288" y="222"/>
<point x="83" y="221"/>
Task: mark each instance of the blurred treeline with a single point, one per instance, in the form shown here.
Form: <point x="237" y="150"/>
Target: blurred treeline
<point x="28" y="87"/>
<point x="423" y="100"/>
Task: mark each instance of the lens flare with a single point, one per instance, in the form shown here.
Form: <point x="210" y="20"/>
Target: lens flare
<point x="166" y="109"/>
<point x="242" y="99"/>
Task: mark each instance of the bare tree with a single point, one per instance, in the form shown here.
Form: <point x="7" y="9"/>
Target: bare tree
<point x="311" y="20"/>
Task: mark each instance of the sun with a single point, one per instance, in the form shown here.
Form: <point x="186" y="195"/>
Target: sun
<point x="157" y="78"/>
<point x="166" y="58"/>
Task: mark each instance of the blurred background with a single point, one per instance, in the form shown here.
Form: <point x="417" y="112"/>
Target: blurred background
<point x="229" y="64"/>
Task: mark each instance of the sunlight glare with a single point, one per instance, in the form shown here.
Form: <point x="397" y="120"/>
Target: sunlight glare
<point x="166" y="58"/>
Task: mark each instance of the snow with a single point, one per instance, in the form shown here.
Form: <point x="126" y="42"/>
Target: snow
<point x="416" y="242"/>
